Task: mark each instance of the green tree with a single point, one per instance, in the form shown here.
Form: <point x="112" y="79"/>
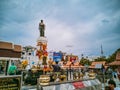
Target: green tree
<point x="112" y="57"/>
<point x="101" y="59"/>
<point x="85" y="61"/>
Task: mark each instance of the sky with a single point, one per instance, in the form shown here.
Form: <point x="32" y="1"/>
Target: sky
<point x="72" y="26"/>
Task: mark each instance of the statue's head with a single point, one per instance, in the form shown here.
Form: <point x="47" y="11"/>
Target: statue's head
<point x="41" y="20"/>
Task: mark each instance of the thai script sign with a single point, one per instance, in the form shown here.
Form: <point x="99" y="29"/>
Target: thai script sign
<point x="10" y="82"/>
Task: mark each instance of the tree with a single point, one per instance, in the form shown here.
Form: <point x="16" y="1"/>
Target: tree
<point x="101" y="59"/>
<point x="85" y="61"/>
<point x="112" y="57"/>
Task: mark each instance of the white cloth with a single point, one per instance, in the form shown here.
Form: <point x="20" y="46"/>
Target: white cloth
<point x="49" y="88"/>
<point x="68" y="86"/>
<point x="86" y="83"/>
<point x="117" y="88"/>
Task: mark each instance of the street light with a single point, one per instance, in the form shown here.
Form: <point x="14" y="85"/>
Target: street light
<point x="69" y="46"/>
<point x="70" y="69"/>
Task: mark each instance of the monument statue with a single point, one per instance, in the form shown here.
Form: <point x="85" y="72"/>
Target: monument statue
<point x="42" y="44"/>
<point x="42" y="28"/>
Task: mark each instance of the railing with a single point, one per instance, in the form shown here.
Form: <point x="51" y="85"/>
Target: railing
<point x="88" y="84"/>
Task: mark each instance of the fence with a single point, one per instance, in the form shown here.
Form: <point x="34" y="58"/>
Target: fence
<point x="90" y="84"/>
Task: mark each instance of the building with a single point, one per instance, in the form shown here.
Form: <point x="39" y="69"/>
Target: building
<point x="98" y="64"/>
<point x="29" y="53"/>
<point x="9" y="52"/>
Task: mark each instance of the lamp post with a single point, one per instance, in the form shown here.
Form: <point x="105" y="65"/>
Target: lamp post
<point x="69" y="48"/>
<point x="70" y="69"/>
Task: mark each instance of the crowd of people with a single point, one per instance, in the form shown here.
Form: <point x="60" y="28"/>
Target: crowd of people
<point x="56" y="66"/>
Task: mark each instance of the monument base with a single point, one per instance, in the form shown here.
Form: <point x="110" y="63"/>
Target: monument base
<point x="42" y="40"/>
<point x="42" y="49"/>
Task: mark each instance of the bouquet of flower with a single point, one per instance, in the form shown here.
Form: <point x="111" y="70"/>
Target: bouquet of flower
<point x="24" y="63"/>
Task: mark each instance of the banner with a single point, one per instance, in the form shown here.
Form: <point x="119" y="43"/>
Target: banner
<point x="73" y="58"/>
<point x="57" y="56"/>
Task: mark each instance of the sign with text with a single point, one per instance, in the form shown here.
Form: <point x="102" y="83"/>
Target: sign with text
<point x="10" y="82"/>
<point x="57" y="56"/>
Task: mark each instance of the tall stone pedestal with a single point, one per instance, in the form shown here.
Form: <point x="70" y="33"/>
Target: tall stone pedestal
<point x="42" y="50"/>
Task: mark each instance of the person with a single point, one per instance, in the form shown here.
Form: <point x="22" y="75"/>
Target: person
<point x="1" y="68"/>
<point x="56" y="67"/>
<point x="42" y="28"/>
<point x="114" y="74"/>
<point x="12" y="69"/>
<point x="109" y="72"/>
<point x="50" y="61"/>
<point x="28" y="77"/>
<point x="112" y="85"/>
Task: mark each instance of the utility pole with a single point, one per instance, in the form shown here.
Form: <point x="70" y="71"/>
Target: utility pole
<point x="69" y="48"/>
<point x="101" y="51"/>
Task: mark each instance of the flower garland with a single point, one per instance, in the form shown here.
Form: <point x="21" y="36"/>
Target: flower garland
<point x="42" y="52"/>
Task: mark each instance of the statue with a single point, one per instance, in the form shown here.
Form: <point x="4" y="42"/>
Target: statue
<point x="42" y="28"/>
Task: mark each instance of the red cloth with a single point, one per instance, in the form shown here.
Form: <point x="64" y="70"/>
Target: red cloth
<point x="78" y="85"/>
<point x="72" y="59"/>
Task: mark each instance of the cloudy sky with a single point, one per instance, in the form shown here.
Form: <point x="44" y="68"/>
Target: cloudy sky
<point x="75" y="26"/>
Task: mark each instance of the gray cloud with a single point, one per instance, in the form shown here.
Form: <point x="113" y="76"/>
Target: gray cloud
<point x="82" y="23"/>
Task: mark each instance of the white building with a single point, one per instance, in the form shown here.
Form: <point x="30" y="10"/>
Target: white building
<point x="29" y="53"/>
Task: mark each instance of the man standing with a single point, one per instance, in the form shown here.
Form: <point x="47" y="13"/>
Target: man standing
<point x="12" y="69"/>
<point x="0" y="68"/>
<point x="56" y="67"/>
